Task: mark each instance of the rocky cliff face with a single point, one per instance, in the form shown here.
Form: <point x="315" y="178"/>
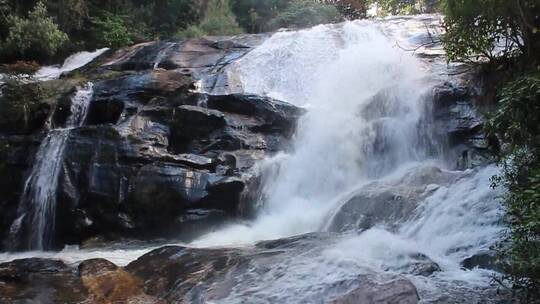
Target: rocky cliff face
<point x="153" y="157"/>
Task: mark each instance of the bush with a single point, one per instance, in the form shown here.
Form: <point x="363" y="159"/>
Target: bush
<point x="170" y="16"/>
<point x="20" y="67"/>
<point x="20" y="103"/>
<point x="219" y="19"/>
<point x="517" y="124"/>
<point x="193" y="31"/>
<point x="34" y="37"/>
<point x="110" y="31"/>
<point x="475" y="27"/>
<point x="305" y="13"/>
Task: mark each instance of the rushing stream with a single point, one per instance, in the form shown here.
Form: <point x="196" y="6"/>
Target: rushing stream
<point x="363" y="134"/>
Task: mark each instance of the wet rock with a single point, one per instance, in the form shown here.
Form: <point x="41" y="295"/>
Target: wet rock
<point x="16" y="157"/>
<point x="388" y="202"/>
<point x="26" y="108"/>
<point x="191" y="122"/>
<point x="484" y="260"/>
<point x="175" y="274"/>
<point x="40" y="281"/>
<point x="399" y="291"/>
<point x="276" y="116"/>
<point x="152" y="151"/>
<point x="162" y="192"/>
<point x="417" y="264"/>
<point x="458" y="122"/>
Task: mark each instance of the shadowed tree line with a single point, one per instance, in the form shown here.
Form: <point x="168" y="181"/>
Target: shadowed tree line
<point x="48" y="30"/>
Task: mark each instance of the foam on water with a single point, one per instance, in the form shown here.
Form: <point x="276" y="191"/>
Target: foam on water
<point x="364" y="99"/>
<point x="73" y="62"/>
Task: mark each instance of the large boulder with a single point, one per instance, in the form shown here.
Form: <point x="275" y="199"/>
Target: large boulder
<point x="388" y="202"/>
<point x="458" y="123"/>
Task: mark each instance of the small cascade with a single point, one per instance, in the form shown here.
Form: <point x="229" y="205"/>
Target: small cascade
<point x="73" y="62"/>
<point x="163" y="53"/>
<point x="37" y="206"/>
<point x="79" y="106"/>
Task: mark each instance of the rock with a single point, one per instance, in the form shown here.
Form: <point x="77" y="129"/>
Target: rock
<point x="96" y="267"/>
<point x="458" y="123"/>
<point x="40" y="281"/>
<point x="191" y="122"/>
<point x="388" y="202"/>
<point x="162" y="192"/>
<point x="275" y="115"/>
<point x="16" y="157"/>
<point x="417" y="264"/>
<point x="174" y="274"/>
<point x="107" y="283"/>
<point x="154" y="158"/>
<point x="484" y="260"/>
<point x="399" y="291"/>
<point x="26" y="107"/>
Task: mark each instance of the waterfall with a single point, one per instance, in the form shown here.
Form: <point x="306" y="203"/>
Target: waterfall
<point x="37" y="206"/>
<point x="364" y="98"/>
<point x="73" y="62"/>
<point x="162" y="53"/>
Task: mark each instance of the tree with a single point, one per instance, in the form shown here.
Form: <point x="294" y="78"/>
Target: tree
<point x="517" y="124"/>
<point x="350" y="9"/>
<point x="304" y="13"/>
<point x="218" y="20"/>
<point x="486" y="29"/>
<point x="70" y="14"/>
<point x="254" y="15"/>
<point x="34" y="37"/>
<point x="110" y="31"/>
<point x="502" y="33"/>
<point x="170" y="16"/>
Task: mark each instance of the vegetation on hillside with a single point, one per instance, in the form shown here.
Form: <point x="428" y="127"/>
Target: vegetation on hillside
<point x="47" y="30"/>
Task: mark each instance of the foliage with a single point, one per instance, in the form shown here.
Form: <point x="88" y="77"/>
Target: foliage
<point x="20" y="67"/>
<point x="350" y="9"/>
<point x="19" y="100"/>
<point x="111" y="31"/>
<point x="406" y="7"/>
<point x="304" y="13"/>
<point x="486" y="29"/>
<point x="70" y="14"/>
<point x="254" y="15"/>
<point x="193" y="31"/>
<point x="169" y="16"/>
<point x="219" y="19"/>
<point x="517" y="124"/>
<point x="35" y="36"/>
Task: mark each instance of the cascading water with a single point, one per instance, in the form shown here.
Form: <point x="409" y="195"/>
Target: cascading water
<point x="365" y="98"/>
<point x="37" y="207"/>
<point x="364" y="101"/>
<point x="73" y="62"/>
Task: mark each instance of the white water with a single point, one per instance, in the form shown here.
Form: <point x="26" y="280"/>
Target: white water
<point x="334" y="72"/>
<point x="73" y="62"/>
<point x="38" y="202"/>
